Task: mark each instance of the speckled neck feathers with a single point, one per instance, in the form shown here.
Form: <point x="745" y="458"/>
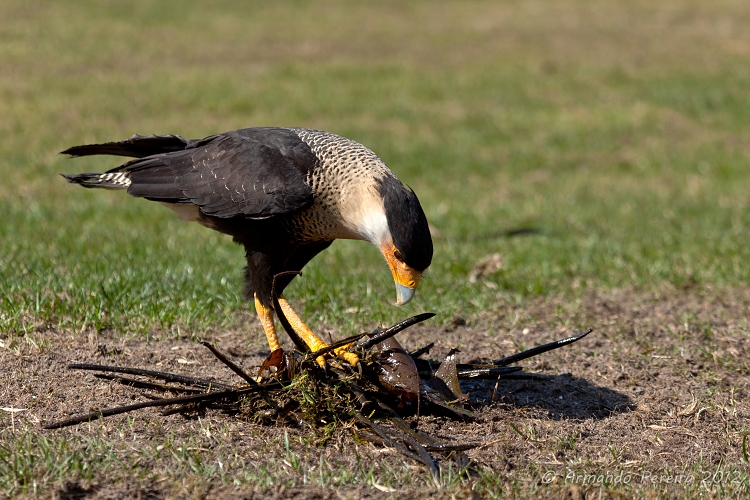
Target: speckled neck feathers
<point x="345" y="184"/>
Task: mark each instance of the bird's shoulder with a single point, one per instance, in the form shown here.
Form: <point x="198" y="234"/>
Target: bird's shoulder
<point x="256" y="172"/>
<point x="264" y="142"/>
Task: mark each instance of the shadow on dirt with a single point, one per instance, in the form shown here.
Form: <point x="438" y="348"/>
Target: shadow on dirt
<point x="561" y="396"/>
<point x="72" y="490"/>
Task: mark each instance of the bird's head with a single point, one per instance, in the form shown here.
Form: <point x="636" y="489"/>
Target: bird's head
<point x="400" y="230"/>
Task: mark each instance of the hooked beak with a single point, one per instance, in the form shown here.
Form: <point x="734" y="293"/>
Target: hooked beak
<point x="405" y="277"/>
<point x="403" y="294"/>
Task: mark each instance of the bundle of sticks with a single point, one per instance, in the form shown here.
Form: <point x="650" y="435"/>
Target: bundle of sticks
<point x="388" y="384"/>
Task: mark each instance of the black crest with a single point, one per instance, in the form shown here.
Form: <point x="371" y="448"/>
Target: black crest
<point x="407" y="223"/>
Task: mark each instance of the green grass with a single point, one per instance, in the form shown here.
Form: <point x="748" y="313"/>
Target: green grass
<point x="30" y="461"/>
<point x="621" y="131"/>
<point x="630" y="161"/>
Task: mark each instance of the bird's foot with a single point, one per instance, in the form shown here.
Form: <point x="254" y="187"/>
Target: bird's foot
<point x="312" y="340"/>
<point x="315" y="344"/>
<point x="340" y="352"/>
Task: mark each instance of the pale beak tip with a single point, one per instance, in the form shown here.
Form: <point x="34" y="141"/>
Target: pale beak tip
<point x="403" y="294"/>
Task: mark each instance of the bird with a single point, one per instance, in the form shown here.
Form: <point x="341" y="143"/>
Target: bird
<point x="284" y="194"/>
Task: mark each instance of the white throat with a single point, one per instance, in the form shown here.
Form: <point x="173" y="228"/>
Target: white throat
<point x="373" y="227"/>
<point x="362" y="213"/>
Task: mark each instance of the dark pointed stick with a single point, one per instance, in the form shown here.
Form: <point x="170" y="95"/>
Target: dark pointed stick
<point x="489" y="372"/>
<point x="239" y="371"/>
<point x="282" y="318"/>
<point x="141" y="384"/>
<point x="230" y="364"/>
<point x="540" y="349"/>
<point x="426" y="457"/>
<point x="169" y="377"/>
<point x="390" y="332"/>
<point x="451" y="448"/>
<point x="205" y="397"/>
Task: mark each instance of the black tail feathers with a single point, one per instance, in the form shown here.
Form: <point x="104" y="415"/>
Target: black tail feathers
<point x="138" y="146"/>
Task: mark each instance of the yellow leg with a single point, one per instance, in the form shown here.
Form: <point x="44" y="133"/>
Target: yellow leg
<point x="265" y="314"/>
<point x="310" y="338"/>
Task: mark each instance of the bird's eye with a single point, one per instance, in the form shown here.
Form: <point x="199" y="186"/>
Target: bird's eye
<point x="398" y="255"/>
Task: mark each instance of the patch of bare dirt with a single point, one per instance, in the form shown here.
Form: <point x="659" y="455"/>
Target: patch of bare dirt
<point x="657" y="395"/>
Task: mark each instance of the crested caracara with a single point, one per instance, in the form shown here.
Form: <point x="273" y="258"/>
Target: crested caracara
<point x="284" y="194"/>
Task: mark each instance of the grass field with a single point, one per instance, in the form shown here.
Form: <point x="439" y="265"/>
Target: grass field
<point x="618" y="133"/>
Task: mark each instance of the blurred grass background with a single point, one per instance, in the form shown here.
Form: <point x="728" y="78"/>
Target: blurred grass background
<point x="618" y="130"/>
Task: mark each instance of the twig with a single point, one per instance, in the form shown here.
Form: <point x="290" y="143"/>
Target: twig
<point x="490" y="372"/>
<point x="239" y="371"/>
<point x="141" y="384"/>
<point x="210" y="396"/>
<point x="236" y="369"/>
<point x="514" y="358"/>
<point x="426" y="457"/>
<point x="169" y="377"/>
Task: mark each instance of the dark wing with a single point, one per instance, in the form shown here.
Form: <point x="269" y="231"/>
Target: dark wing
<point x="254" y="173"/>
